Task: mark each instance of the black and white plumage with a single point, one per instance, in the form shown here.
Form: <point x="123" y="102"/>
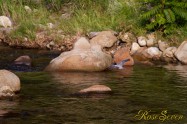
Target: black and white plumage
<point x="119" y="65"/>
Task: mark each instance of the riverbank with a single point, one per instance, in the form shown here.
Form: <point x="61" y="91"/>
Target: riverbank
<point x="144" y="49"/>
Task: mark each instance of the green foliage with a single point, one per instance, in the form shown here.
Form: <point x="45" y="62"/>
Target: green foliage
<point x="91" y="15"/>
<point x="164" y="15"/>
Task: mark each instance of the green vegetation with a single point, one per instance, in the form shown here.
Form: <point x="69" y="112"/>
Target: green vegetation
<point x="25" y="23"/>
<point x="165" y="17"/>
<point x="97" y="16"/>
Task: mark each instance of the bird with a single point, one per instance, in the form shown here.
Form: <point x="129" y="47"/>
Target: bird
<point x="119" y="65"/>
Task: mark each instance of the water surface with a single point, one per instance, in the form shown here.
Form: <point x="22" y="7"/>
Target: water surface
<point x="47" y="98"/>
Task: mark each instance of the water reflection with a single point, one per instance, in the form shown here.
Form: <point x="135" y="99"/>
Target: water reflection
<point x="6" y="106"/>
<point x="80" y="80"/>
<point x="181" y="70"/>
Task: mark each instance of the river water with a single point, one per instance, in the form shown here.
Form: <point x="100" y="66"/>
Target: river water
<point x="47" y="98"/>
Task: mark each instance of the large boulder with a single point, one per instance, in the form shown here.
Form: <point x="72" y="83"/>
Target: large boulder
<point x="5" y="22"/>
<point x="83" y="57"/>
<point x="104" y="39"/>
<point x="181" y="53"/>
<point x="9" y="83"/>
<point x="123" y="53"/>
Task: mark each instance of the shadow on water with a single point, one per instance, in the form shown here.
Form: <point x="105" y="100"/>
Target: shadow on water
<point x="46" y="98"/>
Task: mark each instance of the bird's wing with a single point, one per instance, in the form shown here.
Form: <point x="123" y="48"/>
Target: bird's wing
<point x="123" y="62"/>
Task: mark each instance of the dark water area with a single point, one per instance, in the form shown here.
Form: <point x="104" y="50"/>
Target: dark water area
<point x="40" y="58"/>
<point x="47" y="98"/>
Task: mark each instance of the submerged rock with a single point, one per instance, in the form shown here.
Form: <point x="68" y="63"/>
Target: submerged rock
<point x="181" y="53"/>
<point x="9" y="83"/>
<point x="5" y="22"/>
<point x="96" y="89"/>
<point x="104" y="39"/>
<point x="83" y="57"/>
<point x="23" y="60"/>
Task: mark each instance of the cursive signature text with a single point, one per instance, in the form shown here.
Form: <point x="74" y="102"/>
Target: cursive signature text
<point x="162" y="116"/>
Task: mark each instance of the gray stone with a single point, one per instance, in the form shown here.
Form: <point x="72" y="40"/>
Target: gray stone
<point x="127" y="37"/>
<point x="104" y="39"/>
<point x="135" y="47"/>
<point x="5" y="22"/>
<point x="50" y="25"/>
<point x="150" y="40"/>
<point x="23" y="60"/>
<point x="142" y="41"/>
<point x="181" y="53"/>
<point x="92" y="34"/>
<point x="162" y="45"/>
<point x="28" y="9"/>
<point x="152" y="52"/>
<point x="169" y="52"/>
